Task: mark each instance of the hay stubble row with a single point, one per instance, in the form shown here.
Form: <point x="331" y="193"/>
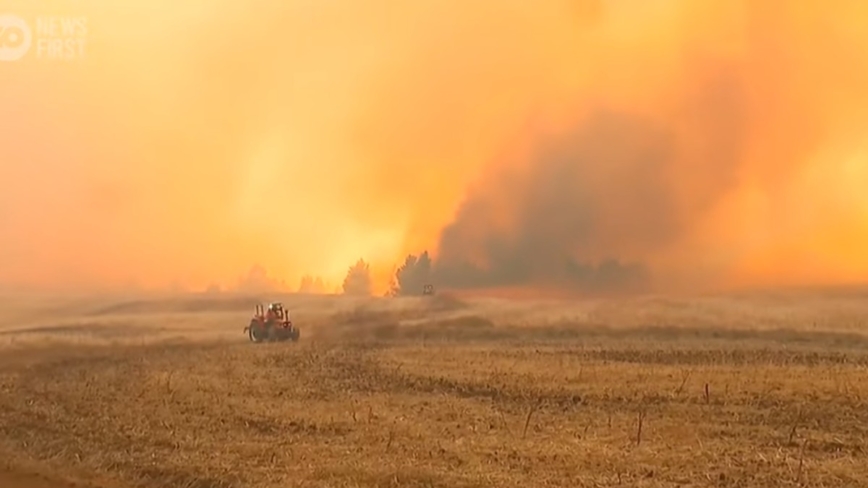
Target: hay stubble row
<point x="512" y="408"/>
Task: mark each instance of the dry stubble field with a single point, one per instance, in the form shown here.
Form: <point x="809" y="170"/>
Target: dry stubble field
<point x="753" y="390"/>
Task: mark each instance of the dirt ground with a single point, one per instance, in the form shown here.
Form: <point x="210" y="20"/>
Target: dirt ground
<point x="756" y="390"/>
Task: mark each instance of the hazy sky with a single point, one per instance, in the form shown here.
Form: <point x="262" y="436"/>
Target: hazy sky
<point x="720" y="142"/>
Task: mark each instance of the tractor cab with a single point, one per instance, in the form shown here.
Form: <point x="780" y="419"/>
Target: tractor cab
<point x="276" y="311"/>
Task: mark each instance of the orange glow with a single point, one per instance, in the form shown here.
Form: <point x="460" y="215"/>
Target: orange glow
<point x="198" y="138"/>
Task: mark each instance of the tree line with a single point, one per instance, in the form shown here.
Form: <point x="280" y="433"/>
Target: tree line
<point x="409" y="280"/>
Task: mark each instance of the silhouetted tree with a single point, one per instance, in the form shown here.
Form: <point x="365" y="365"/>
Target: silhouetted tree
<point x="309" y="284"/>
<point x="394" y="290"/>
<point x="413" y="275"/>
<point x="257" y="281"/>
<point x="306" y="285"/>
<point x="358" y="280"/>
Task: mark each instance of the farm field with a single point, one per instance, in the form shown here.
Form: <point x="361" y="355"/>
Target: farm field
<point x="756" y="390"/>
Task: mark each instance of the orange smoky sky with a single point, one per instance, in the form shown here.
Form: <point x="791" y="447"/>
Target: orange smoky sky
<point x="701" y="144"/>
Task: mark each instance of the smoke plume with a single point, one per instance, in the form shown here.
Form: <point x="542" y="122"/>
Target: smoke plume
<point x="647" y="178"/>
<point x="569" y="144"/>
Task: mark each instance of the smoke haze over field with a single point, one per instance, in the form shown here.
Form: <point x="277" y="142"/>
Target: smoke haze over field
<point x="567" y="143"/>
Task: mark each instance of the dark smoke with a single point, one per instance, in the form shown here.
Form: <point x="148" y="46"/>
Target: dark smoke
<point x="591" y="205"/>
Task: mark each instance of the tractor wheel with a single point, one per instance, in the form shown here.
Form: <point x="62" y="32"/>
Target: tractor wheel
<point x="251" y="332"/>
<point x="295" y="335"/>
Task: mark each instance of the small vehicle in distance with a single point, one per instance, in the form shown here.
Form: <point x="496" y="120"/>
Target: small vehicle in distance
<point x="271" y="324"/>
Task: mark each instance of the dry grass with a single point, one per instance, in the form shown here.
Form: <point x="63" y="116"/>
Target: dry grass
<point x="758" y="390"/>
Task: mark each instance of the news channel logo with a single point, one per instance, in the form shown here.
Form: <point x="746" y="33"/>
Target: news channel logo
<point x="60" y="38"/>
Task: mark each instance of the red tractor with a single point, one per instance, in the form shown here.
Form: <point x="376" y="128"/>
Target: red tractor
<point x="271" y="325"/>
